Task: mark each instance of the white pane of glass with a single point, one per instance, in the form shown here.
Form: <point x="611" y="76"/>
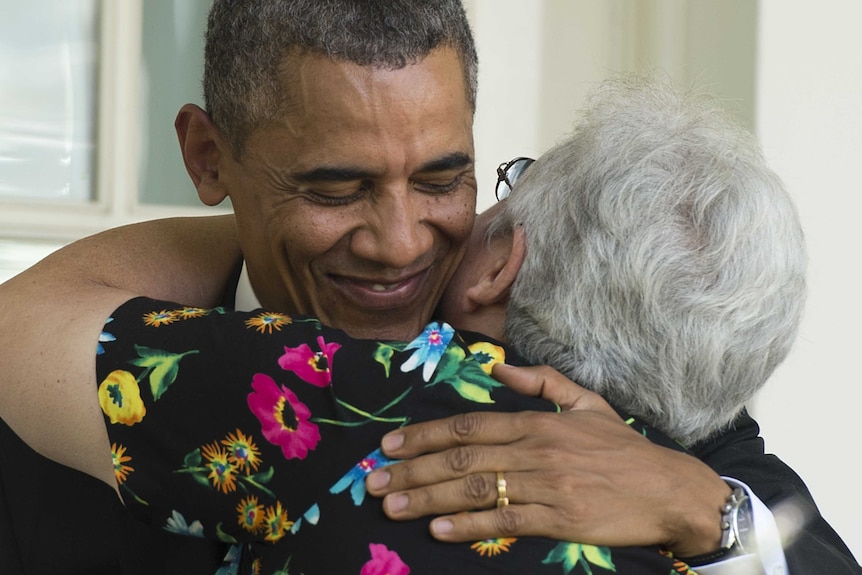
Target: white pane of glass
<point x="48" y="65"/>
<point x="171" y="74"/>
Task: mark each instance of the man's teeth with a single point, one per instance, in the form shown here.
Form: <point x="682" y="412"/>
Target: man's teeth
<point x="379" y="287"/>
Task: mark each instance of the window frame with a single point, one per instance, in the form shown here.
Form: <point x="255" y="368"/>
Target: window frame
<point x="116" y="193"/>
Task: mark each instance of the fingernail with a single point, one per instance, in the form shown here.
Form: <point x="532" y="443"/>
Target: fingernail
<point x="396" y="502"/>
<point x="378" y="480"/>
<point x="392" y="441"/>
<point x="441" y="526"/>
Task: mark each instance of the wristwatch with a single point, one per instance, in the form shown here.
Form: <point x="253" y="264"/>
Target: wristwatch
<point x="736" y="530"/>
<point x="736" y="523"/>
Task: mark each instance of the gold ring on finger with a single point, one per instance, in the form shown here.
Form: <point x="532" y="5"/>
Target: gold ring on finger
<point x="502" y="495"/>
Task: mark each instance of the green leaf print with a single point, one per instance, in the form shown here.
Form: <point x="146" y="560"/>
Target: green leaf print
<point x="449" y="364"/>
<point x="162" y="367"/>
<point x="260" y="480"/>
<point x="224" y="536"/>
<point x="193" y="458"/>
<point x="384" y="352"/>
<point x="383" y="355"/>
<point x="465" y="375"/>
<point x="573" y="554"/>
<point x="200" y="478"/>
<point x="600" y="556"/>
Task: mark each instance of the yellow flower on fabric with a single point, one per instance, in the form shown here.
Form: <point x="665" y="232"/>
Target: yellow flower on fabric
<point x="190" y="312"/>
<point x="120" y="398"/>
<point x="268" y="321"/>
<point x="222" y="471"/>
<point x="119" y="458"/>
<point x="276" y="522"/>
<point x="157" y="318"/>
<point x="492" y="547"/>
<point x="251" y="514"/>
<point x="487" y="354"/>
<point x="255" y="567"/>
<point x="243" y="453"/>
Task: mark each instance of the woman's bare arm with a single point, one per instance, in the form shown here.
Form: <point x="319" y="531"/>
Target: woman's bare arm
<point x="52" y="314"/>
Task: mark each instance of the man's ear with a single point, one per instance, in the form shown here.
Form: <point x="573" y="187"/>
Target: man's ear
<point x="505" y="259"/>
<point x="203" y="148"/>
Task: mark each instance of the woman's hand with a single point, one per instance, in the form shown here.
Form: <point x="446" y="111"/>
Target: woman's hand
<point x="579" y="475"/>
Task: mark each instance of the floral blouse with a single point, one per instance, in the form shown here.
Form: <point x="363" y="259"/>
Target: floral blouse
<point x="256" y="430"/>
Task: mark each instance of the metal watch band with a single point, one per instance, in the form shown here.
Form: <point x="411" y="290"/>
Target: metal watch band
<point x="736" y="520"/>
<point x="735" y="526"/>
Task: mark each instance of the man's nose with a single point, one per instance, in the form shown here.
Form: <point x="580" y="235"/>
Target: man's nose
<point x="396" y="232"/>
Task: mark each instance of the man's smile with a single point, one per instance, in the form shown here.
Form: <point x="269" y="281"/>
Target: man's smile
<point x="382" y="293"/>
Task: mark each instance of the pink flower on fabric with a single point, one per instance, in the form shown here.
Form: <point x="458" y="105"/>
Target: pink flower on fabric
<point x="283" y="418"/>
<point x="384" y="562"/>
<point x="313" y="367"/>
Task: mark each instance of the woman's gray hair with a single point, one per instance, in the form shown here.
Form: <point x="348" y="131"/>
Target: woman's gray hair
<point x="665" y="262"/>
<point x="247" y="41"/>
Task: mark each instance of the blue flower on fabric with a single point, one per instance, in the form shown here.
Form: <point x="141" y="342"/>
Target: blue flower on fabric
<point x="230" y="563"/>
<point x="355" y="478"/>
<point x="105" y="337"/>
<point x="177" y="524"/>
<point x="429" y="346"/>
<point x="312" y="515"/>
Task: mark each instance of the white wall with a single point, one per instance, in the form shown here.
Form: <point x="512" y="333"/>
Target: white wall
<point x="804" y="95"/>
<point x="809" y="117"/>
<point x="537" y="61"/>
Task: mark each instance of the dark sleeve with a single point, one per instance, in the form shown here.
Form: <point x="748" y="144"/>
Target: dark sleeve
<point x="9" y="553"/>
<point x="54" y="519"/>
<point x="739" y="453"/>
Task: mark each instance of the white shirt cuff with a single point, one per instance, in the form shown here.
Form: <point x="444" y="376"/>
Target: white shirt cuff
<point x="769" y="559"/>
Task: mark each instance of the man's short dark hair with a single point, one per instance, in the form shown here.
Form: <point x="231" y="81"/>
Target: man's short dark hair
<point x="247" y="42"/>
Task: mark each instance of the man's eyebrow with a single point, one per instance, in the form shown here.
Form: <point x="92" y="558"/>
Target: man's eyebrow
<point x="453" y="161"/>
<point x="332" y="174"/>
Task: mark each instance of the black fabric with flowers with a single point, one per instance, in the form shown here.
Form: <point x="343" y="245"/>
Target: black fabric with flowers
<point x="257" y="430"/>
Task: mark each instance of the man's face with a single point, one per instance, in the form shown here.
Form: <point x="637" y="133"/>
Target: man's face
<point x="356" y="206"/>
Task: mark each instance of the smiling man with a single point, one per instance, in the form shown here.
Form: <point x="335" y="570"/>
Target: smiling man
<point x="356" y="203"/>
<point x="341" y="131"/>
